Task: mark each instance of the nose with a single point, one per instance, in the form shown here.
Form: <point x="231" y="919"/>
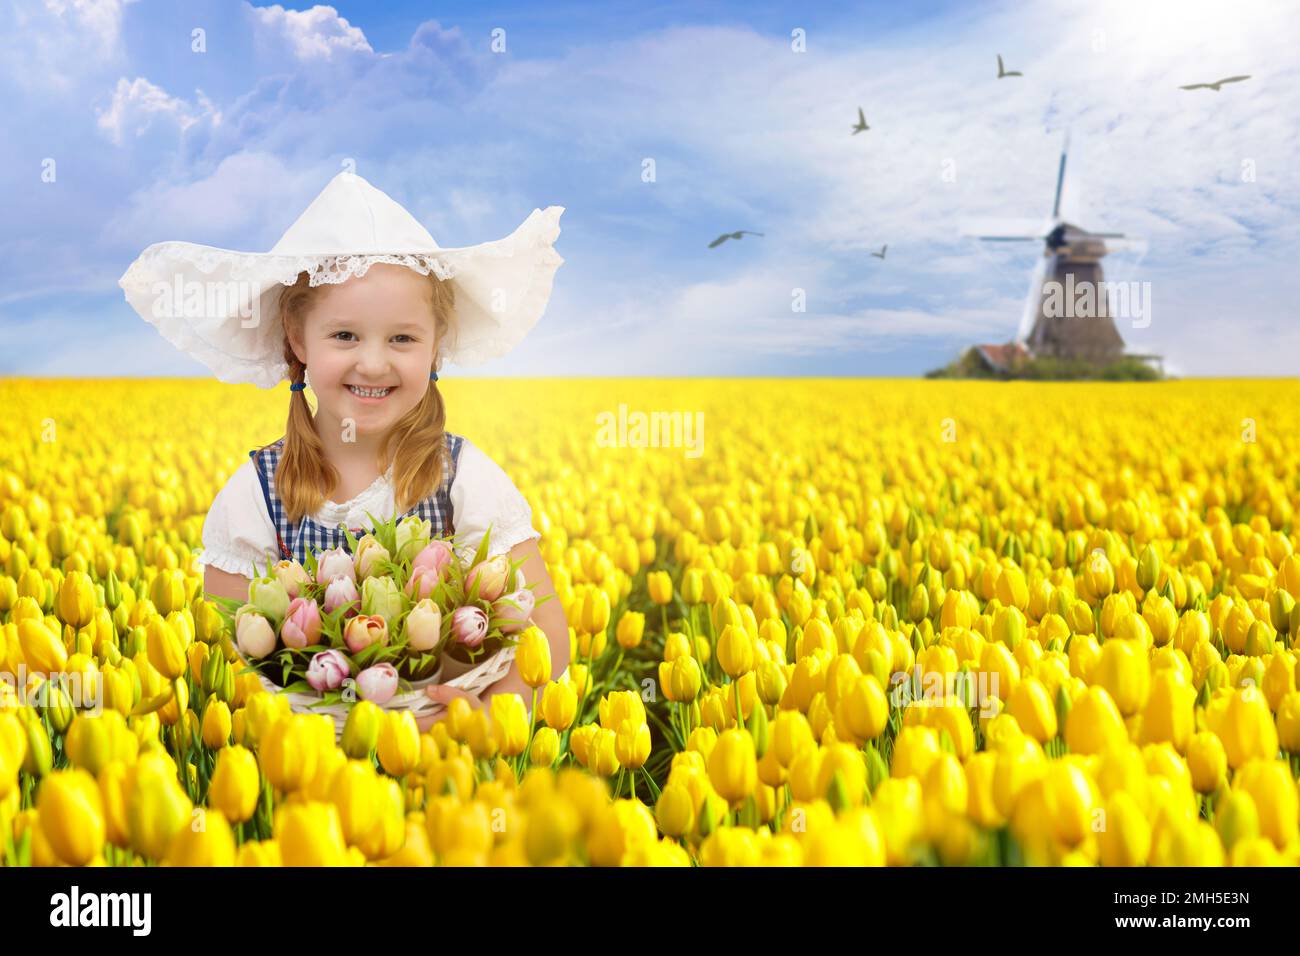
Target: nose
<point x="373" y="360"/>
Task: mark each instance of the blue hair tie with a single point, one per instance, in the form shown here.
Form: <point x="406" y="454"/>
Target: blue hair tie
<point x="433" y="376"/>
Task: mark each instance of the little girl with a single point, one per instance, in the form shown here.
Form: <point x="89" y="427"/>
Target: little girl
<point x="359" y="303"/>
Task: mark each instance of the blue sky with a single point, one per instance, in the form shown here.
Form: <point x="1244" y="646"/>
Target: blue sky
<point x="153" y="141"/>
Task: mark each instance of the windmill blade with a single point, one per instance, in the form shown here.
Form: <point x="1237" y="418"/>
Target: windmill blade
<point x="1009" y="238"/>
<point x="1030" y="313"/>
<point x="1060" y="178"/>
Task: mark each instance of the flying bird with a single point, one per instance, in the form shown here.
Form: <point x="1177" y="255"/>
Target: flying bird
<point x="881" y="253"/>
<point x="1005" y="72"/>
<point x="1215" y="86"/>
<point x="731" y="235"/>
<point x="862" y="123"/>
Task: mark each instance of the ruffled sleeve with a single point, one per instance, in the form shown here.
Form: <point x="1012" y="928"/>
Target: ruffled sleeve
<point x="482" y="495"/>
<point x="238" y="530"/>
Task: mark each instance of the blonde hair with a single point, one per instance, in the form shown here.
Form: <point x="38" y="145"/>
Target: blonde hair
<point x="414" y="445"/>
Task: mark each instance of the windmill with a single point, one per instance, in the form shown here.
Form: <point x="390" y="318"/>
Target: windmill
<point x="1071" y="260"/>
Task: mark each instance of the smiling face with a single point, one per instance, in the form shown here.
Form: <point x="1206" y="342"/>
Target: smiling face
<point x="369" y="345"/>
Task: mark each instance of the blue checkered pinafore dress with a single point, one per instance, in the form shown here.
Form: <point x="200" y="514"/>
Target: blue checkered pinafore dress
<point x="297" y="538"/>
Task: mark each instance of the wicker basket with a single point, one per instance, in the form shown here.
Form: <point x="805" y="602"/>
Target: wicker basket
<point x="474" y="681"/>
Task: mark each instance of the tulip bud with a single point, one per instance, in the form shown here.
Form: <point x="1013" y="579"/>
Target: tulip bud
<point x="216" y="724"/>
<point x="424" y="626"/>
<point x="487" y="579"/>
<point x="39" y="756"/>
<point x="361" y="731"/>
<point x="253" y="632"/>
<point x="1148" y="568"/>
<point x="381" y="598"/>
<point x="660" y="587"/>
<point x="533" y="656"/>
<point x="363" y="631"/>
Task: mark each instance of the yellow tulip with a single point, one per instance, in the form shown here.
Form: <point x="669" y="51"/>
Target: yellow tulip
<point x="76" y="604"/>
<point x="559" y="705"/>
<point x="398" y="746"/>
<point x="1269" y="783"/>
<point x="733" y="765"/>
<point x="310" y="834"/>
<point x="42" y="648"/>
<point x="1126" y="838"/>
<point x="287" y="754"/>
<point x="1170" y="711"/>
<point x="1207" y="760"/>
<point x="1033" y="709"/>
<point x="863" y="711"/>
<point x="509" y="723"/>
<point x="1094" y="724"/>
<point x="533" y="656"/>
<point x="735" y="651"/>
<point x="631" y="628"/>
<point x="156" y="806"/>
<point x="632" y="744"/>
<point x="207" y="842"/>
<point x="235" y="784"/>
<point x="660" y="587"/>
<point x="166" y="649"/>
<point x="216" y="724"/>
<point x="1248" y="730"/>
<point x="545" y="747"/>
<point x="72" y="816"/>
<point x="1124" y="672"/>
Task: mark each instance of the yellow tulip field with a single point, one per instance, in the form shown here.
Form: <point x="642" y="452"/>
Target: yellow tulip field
<point x="812" y="622"/>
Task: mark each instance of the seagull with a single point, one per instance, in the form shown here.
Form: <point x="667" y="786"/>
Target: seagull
<point x="731" y="235"/>
<point x="881" y="253"/>
<point x="1005" y="72"/>
<point x="862" y="123"/>
<point x="1215" y="86"/>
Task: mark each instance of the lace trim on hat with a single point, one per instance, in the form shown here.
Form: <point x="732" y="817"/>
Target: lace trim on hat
<point x="335" y="269"/>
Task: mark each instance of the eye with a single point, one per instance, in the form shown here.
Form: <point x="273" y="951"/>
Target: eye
<point x="342" y="332"/>
<point x="403" y="338"/>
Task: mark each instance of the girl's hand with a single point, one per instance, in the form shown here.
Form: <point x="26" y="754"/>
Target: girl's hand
<point x="444" y="694"/>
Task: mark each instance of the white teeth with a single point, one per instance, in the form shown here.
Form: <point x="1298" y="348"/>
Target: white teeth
<point x="368" y="392"/>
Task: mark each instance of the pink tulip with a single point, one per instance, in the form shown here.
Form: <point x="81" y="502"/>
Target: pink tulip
<point x="424" y="626"/>
<point x="334" y="564"/>
<point x="301" y="624"/>
<point x="422" y="583"/>
<point x="469" y="625"/>
<point x="377" y="684"/>
<point x="328" y="670"/>
<point x="491" y="577"/>
<point x="364" y="630"/>
<point x="253" y="634"/>
<point x="342" y="592"/>
<point x="435" y="556"/>
<point x="293" y="576"/>
<point x="515" y="617"/>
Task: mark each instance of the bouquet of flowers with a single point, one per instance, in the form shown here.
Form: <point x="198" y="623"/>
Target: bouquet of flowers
<point x="388" y="616"/>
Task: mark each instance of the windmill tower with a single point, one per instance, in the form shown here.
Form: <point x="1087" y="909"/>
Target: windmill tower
<point x="1066" y="314"/>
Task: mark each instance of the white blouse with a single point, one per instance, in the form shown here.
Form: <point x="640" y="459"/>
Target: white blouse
<point x="238" y="530"/>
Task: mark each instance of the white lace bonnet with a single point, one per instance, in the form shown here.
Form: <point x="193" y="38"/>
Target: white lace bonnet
<point x="222" y="306"/>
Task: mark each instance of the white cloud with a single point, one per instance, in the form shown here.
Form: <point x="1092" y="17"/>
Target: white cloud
<point x="50" y="45"/>
<point x="244" y="196"/>
<point x="316" y="33"/>
<point x="137" y="103"/>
